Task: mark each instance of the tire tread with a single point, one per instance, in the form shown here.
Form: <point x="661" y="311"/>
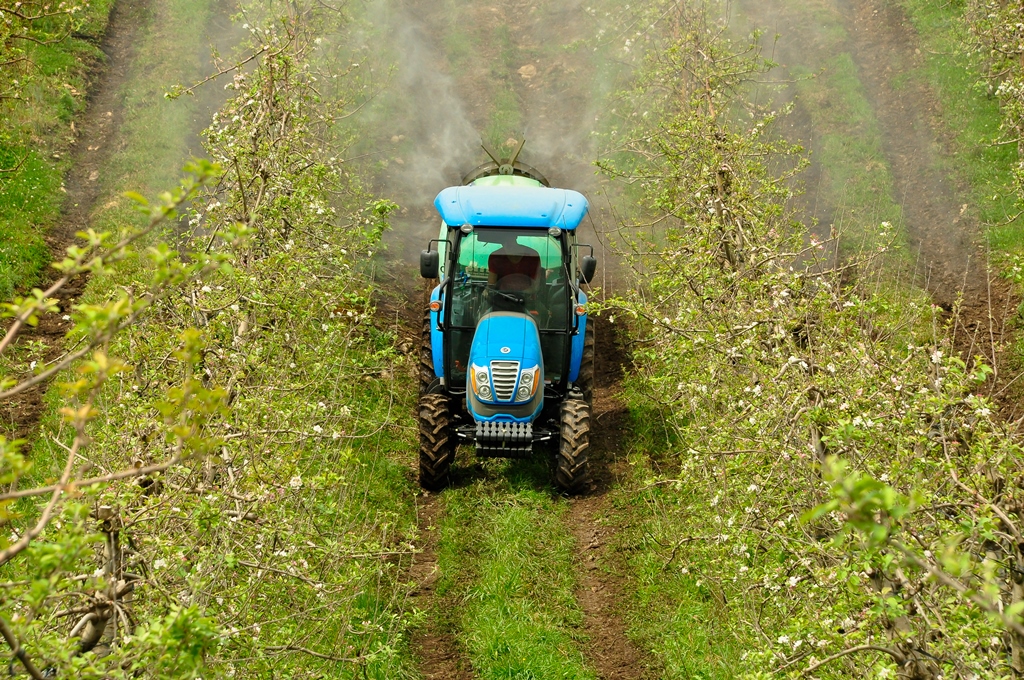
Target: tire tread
<point x="572" y="464"/>
<point x="437" y="452"/>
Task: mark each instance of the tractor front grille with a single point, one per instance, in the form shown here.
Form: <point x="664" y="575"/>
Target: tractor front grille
<point x="504" y="375"/>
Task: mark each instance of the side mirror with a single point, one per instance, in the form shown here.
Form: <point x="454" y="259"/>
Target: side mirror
<point x="429" y="264"/>
<point x="588" y="267"/>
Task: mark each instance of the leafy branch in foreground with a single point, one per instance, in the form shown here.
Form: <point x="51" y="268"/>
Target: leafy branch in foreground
<point x="246" y="470"/>
<point x="187" y="407"/>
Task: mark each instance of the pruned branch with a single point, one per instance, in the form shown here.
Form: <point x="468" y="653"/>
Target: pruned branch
<point x="112" y="477"/>
<point x="19" y="651"/>
<point x="310" y="652"/>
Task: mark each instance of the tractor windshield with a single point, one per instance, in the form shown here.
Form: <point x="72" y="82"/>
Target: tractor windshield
<point x="507" y="269"/>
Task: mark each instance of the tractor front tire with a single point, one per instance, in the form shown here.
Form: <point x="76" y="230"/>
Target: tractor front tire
<point x="585" y="380"/>
<point x="426" y="362"/>
<point x="437" y="447"/>
<point x="572" y="472"/>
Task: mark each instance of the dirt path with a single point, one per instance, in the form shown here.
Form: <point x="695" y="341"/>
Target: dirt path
<point x="945" y="238"/>
<point x="95" y="143"/>
<point x="602" y="586"/>
<point x="98" y="140"/>
<point x="438" y="652"/>
<point x="518" y="47"/>
<point x="882" y="43"/>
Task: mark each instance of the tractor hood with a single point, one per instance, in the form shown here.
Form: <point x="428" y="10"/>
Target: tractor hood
<point x="506" y="336"/>
<point x="506" y="345"/>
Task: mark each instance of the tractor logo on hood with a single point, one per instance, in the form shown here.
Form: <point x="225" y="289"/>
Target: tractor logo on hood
<point x="506" y="350"/>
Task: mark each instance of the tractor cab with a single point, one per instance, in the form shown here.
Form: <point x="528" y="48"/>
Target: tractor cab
<point x="507" y="357"/>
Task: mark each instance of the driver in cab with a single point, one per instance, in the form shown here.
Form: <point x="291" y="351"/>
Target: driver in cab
<point x="515" y="269"/>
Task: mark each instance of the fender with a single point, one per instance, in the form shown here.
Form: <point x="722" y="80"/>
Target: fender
<point x="436" y="336"/>
<point x="576" y="358"/>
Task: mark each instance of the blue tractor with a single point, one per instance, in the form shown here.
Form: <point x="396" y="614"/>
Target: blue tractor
<point x="507" y="360"/>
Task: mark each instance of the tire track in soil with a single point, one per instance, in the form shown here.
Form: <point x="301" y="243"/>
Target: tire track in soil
<point x="439" y="654"/>
<point x="557" y="107"/>
<point x="602" y="587"/>
<point x="882" y="43"/>
<point x="559" y="110"/>
<point x="97" y="135"/>
<point x="435" y="647"/>
<point x="945" y="237"/>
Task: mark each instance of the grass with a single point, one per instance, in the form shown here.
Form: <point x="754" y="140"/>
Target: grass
<point x="505" y="120"/>
<point x="508" y="577"/>
<point x="36" y="135"/>
<point x="30" y="201"/>
<point x="972" y="118"/>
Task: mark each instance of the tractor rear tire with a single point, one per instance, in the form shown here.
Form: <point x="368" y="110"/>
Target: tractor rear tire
<point x="426" y="362"/>
<point x="585" y="380"/>
<point x="437" y="446"/>
<point x="572" y="470"/>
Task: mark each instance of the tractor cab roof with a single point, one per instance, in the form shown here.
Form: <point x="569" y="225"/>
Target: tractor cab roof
<point x="511" y="206"/>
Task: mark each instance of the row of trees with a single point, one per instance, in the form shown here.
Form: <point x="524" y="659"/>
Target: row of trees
<point x="828" y="471"/>
<point x="212" y="497"/>
<point x="997" y="35"/>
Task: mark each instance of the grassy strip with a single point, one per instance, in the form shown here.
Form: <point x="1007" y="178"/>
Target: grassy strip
<point x="156" y="130"/>
<point x="507" y="564"/>
<point x="675" y="613"/>
<point x="973" y="118"/>
<point x="37" y="134"/>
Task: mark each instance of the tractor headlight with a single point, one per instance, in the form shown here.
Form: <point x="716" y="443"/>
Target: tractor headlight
<point x="528" y="381"/>
<point x="481" y="381"/>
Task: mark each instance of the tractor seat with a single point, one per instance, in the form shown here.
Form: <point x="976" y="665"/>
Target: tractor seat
<point x="514" y="274"/>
